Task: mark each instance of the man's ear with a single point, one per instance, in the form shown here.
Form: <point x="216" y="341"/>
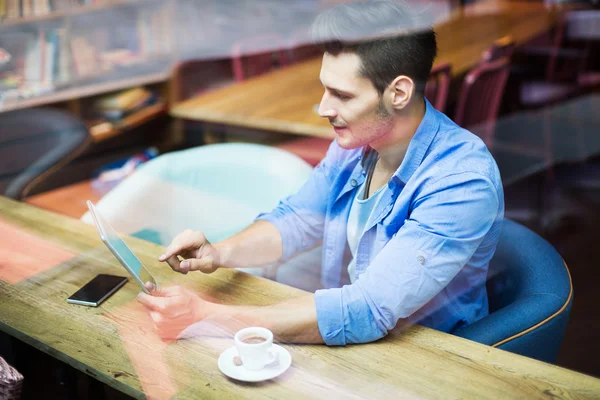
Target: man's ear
<point x="401" y="90"/>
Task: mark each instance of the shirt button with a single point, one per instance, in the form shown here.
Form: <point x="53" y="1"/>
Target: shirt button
<point x="353" y="182"/>
<point x="421" y="260"/>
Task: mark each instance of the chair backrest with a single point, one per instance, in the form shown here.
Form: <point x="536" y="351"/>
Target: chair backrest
<point x="481" y="94"/>
<point x="256" y="55"/>
<point x="34" y="144"/>
<point x="501" y="48"/>
<point x="193" y="77"/>
<point x="530" y="296"/>
<point x="438" y="85"/>
<point x="218" y="189"/>
<point x="572" y="43"/>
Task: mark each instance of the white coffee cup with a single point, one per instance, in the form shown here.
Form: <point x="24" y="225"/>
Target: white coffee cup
<point x="255" y="348"/>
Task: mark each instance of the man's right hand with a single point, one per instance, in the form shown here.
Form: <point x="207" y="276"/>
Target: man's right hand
<point x="197" y="252"/>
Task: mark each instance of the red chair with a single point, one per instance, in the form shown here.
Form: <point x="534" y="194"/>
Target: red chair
<point x="310" y="149"/>
<point x="193" y="77"/>
<point x="480" y="96"/>
<point x="438" y="84"/>
<point x="567" y="60"/>
<point x="257" y="55"/>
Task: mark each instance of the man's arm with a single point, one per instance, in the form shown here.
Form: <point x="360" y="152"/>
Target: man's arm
<point x="293" y="320"/>
<point x="257" y="245"/>
<point x="173" y="309"/>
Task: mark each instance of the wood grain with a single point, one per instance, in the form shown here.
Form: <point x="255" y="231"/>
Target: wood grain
<point x="116" y="343"/>
<point x="283" y="100"/>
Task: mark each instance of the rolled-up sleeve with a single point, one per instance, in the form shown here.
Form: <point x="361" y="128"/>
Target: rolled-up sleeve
<point x="300" y="218"/>
<point x="450" y="218"/>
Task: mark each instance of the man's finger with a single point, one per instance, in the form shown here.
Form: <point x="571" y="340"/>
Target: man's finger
<point x="179" y="244"/>
<point x="205" y="264"/>
<point x="172" y="251"/>
<point x="153" y="303"/>
<point x="185" y="241"/>
<point x="156" y="317"/>
<point x="175" y="264"/>
<point x="145" y="299"/>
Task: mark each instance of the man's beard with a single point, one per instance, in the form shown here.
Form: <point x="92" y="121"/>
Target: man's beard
<point x="381" y="110"/>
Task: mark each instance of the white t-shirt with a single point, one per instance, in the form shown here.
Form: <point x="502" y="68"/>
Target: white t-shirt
<point x="360" y="212"/>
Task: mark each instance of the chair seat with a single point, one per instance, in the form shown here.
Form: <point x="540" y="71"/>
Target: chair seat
<point x="539" y="93"/>
<point x="312" y="150"/>
<point x="589" y="79"/>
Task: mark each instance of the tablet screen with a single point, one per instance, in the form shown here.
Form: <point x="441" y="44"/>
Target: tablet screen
<point x="118" y="247"/>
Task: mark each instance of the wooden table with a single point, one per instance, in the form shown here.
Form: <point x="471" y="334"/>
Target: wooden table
<point x="116" y="343"/>
<point x="284" y="100"/>
<point x="68" y="200"/>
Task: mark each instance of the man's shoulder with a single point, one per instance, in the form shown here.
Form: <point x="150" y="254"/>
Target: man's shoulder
<point x="456" y="150"/>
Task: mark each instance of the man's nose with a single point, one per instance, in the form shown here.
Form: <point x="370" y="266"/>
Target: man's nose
<point x="325" y="108"/>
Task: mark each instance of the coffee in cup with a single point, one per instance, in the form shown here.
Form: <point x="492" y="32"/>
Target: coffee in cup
<point x="254" y="339"/>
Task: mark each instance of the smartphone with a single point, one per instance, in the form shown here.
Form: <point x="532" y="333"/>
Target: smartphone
<point x="97" y="290"/>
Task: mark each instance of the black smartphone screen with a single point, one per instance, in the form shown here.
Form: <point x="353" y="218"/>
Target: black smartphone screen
<point x="97" y="290"/>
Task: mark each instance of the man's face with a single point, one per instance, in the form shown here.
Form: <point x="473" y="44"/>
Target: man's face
<point x="351" y="102"/>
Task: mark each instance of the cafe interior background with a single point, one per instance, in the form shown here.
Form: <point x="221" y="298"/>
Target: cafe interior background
<point x="92" y="90"/>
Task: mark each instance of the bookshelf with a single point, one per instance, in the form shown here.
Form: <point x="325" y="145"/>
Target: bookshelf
<point x="63" y="50"/>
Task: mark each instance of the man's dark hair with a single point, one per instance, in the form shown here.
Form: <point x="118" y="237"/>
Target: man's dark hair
<point x="385" y="35"/>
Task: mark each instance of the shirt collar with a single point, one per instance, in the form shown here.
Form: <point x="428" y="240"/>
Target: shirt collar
<point x="419" y="144"/>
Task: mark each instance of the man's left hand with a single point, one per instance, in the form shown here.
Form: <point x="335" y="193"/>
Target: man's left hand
<point x="173" y="309"/>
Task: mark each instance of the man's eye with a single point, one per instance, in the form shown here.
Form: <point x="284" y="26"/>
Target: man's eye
<point x="341" y="96"/>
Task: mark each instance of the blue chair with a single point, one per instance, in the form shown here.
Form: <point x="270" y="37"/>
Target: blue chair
<point x="530" y="296"/>
<point x="34" y="145"/>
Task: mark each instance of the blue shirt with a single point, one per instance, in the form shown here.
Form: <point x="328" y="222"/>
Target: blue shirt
<point x="423" y="256"/>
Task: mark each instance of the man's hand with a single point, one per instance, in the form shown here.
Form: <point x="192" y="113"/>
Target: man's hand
<point x="173" y="309"/>
<point x="195" y="249"/>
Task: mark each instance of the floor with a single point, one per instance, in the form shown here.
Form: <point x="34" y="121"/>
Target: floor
<point x="571" y="223"/>
<point x="578" y="243"/>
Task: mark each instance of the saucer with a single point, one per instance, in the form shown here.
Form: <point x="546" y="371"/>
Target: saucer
<point x="240" y="373"/>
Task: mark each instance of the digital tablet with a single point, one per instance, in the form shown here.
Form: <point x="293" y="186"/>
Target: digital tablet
<point x="120" y="250"/>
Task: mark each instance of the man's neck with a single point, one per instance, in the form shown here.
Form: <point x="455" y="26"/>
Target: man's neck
<point x="392" y="148"/>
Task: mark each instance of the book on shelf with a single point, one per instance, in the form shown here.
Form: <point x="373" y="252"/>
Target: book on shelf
<point x="39" y="62"/>
<point x="154" y="32"/>
<point x="15" y="9"/>
<point x="148" y="39"/>
<point x="117" y="106"/>
<point x="122" y="100"/>
<point x="122" y="110"/>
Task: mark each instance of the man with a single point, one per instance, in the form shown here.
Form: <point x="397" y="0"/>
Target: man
<point x="415" y="200"/>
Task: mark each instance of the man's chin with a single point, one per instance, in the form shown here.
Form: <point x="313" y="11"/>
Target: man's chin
<point x="346" y="143"/>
